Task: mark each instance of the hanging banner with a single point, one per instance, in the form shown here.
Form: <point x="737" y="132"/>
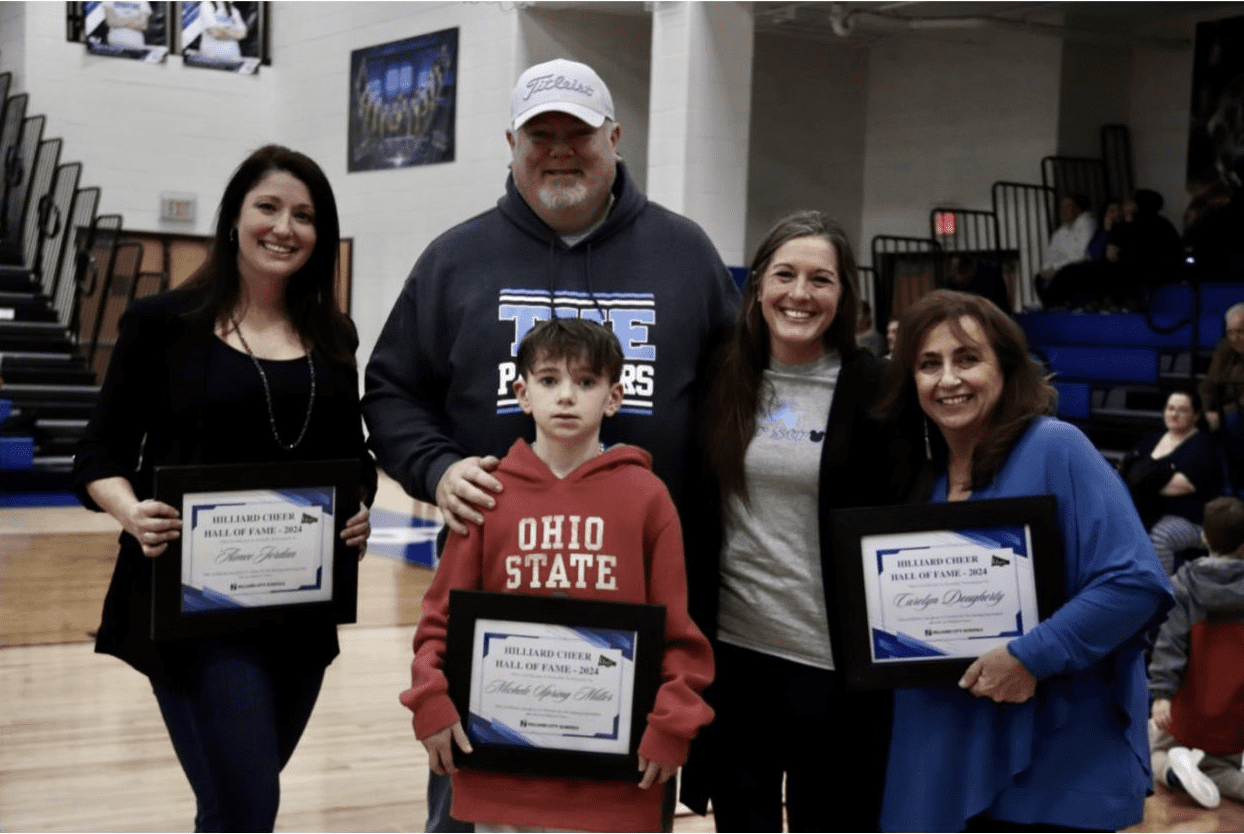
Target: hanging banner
<point x="137" y="31"/>
<point x="402" y="101"/>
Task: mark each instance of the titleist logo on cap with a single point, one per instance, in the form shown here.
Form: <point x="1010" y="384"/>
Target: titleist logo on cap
<point x="557" y="82"/>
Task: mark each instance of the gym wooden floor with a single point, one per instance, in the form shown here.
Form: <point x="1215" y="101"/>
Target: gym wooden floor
<point x="82" y="747"/>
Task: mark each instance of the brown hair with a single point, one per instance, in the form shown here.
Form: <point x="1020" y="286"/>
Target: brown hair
<point x="1223" y="524"/>
<point x="310" y="292"/>
<point x="574" y="340"/>
<point x="1026" y="393"/>
<point x="736" y="391"/>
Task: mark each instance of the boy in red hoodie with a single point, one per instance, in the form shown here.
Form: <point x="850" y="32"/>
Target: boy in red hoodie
<point x="561" y="493"/>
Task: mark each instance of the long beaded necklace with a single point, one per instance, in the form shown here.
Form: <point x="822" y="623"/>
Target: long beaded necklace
<point x="267" y="392"/>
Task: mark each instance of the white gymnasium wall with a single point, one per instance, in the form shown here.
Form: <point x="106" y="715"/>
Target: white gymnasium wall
<point x="948" y="118"/>
<point x="807" y="133"/>
<point x="1095" y="90"/>
<point x="13" y="42"/>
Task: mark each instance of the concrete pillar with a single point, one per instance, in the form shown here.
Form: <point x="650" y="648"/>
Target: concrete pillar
<point x="699" y="111"/>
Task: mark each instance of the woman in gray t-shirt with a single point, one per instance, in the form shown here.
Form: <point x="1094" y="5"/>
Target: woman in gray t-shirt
<point x="788" y="437"/>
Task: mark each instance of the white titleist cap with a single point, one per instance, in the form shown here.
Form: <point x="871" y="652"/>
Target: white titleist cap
<point x="560" y="86"/>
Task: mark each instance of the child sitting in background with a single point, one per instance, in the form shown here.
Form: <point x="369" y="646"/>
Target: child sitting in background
<point x="569" y="371"/>
<point x="1196" y="676"/>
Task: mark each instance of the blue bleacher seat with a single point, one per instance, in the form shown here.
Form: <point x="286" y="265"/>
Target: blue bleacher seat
<point x="1073" y="400"/>
<point x="17" y="452"/>
<point x="1102" y="364"/>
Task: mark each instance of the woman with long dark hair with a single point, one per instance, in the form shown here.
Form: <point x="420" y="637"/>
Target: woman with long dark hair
<point x="1049" y="731"/>
<point x="250" y="361"/>
<point x="787" y="437"/>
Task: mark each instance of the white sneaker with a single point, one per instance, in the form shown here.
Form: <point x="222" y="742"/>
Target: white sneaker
<point x="1183" y="765"/>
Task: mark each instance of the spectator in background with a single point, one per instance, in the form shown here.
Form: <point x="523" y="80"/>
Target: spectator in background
<point x="866" y="336"/>
<point x="1196" y="676"/>
<point x="1069" y="243"/>
<point x="1111" y="215"/>
<point x="1094" y="280"/>
<point x="1145" y="247"/>
<point x="891" y="336"/>
<point x="978" y="276"/>
<point x="1172" y="475"/>
<point x="1222" y="391"/>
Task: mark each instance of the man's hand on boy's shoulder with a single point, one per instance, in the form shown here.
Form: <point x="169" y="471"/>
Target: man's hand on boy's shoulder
<point x="654" y="772"/>
<point x="440" y="748"/>
<point x="462" y="488"/>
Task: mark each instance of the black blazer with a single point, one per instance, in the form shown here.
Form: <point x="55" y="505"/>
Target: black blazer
<point x="151" y="412"/>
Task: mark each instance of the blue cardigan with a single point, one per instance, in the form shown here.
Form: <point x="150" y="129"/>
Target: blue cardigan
<point x="1077" y="753"/>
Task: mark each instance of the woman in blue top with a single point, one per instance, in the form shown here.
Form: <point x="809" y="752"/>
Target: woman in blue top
<point x="1048" y="731"/>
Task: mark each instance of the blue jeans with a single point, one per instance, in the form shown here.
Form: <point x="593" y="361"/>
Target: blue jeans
<point x="234" y="720"/>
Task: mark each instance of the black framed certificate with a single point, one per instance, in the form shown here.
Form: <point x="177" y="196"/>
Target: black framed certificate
<point x="923" y="590"/>
<point x="259" y="543"/>
<point x="553" y="686"/>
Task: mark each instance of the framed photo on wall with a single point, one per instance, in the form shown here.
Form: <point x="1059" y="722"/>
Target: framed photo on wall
<point x="138" y="31"/>
<point x="223" y="35"/>
<point x="403" y="98"/>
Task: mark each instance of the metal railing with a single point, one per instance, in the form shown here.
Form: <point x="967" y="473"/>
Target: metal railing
<point x="904" y="269"/>
<point x="38" y="204"/>
<point x="1023" y="212"/>
<point x="1075" y="175"/>
<point x="1116" y="156"/>
<point x="81" y="216"/>
<point x="52" y="233"/>
<point x="15" y="153"/>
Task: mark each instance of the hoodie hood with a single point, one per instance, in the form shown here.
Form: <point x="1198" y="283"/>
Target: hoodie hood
<point x="523" y="464"/>
<point x="1216" y="583"/>
<point x="628" y="202"/>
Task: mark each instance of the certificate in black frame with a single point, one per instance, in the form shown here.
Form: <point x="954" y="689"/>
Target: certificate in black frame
<point x="466" y="607"/>
<point x="169" y="620"/>
<point x="1037" y="515"/>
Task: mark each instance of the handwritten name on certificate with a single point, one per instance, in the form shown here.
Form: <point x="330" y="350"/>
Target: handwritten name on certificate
<point x="948" y="594"/>
<point x="541" y="685"/>
<point x="255" y="547"/>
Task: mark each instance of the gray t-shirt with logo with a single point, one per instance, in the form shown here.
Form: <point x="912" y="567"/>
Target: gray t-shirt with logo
<point x="772" y="597"/>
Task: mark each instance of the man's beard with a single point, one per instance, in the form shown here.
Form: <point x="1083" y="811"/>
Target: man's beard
<point x="559" y="197"/>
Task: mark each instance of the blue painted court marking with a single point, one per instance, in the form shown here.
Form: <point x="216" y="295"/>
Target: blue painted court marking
<point x="403" y="536"/>
<point x="38" y="499"/>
